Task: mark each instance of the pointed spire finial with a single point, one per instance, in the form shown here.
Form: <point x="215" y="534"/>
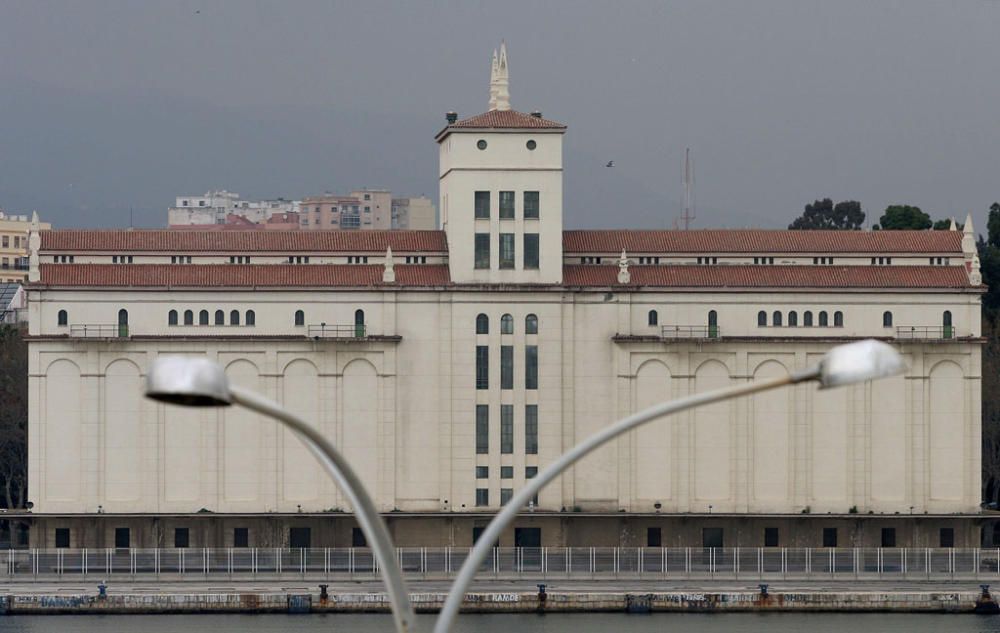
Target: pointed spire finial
<point x="34" y="244"/>
<point x="499" y="80"/>
<point x="952" y="226"/>
<point x="624" y="276"/>
<point x="389" y="272"/>
<point x="968" y="239"/>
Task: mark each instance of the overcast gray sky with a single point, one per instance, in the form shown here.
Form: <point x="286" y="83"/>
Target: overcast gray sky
<point x="107" y="105"/>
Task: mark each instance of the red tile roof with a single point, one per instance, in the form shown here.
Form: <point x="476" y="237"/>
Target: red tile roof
<point x="230" y="275"/>
<point x="755" y="241"/>
<point x="173" y="241"/>
<point x="723" y="276"/>
<point x="507" y="119"/>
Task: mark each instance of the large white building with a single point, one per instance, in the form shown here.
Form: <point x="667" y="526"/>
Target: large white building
<point x="451" y="365"/>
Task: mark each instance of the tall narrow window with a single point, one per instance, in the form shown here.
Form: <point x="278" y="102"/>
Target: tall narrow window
<point x="713" y="324"/>
<point x="482" y="250"/>
<point x="887" y="319"/>
<point x="251" y="317"/>
<point x="506" y="429"/>
<point x="482" y="497"/>
<point x="182" y="537"/>
<point x="506" y="251"/>
<point x="762" y="319"/>
<point x="220" y="317"/>
<point x="300" y="318"/>
<point x="506" y="324"/>
<point x="531" y="324"/>
<point x="823" y="320"/>
<point x="531" y="429"/>
<point x="807" y="318"/>
<point x="62" y="318"/>
<point x="482" y="429"/>
<point x="203" y="317"/>
<point x="838" y="319"/>
<point x="947" y="329"/>
<point x="506" y="366"/>
<point x="482" y="324"/>
<point x="531" y="205"/>
<point x="234" y="317"/>
<point x="793" y="319"/>
<point x="776" y="319"/>
<point x="123" y="322"/>
<point x="482" y="367"/>
<point x="652" y="318"/>
<point x="531" y="251"/>
<point x="531" y="367"/>
<point x="506" y="205"/>
<point x="483" y="205"/>
<point x="188" y="317"/>
<point x="359" y="323"/>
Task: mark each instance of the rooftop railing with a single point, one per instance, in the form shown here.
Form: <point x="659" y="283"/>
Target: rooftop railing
<point x="325" y="330"/>
<point x="690" y="332"/>
<point x="925" y="332"/>
<point x="98" y="330"/>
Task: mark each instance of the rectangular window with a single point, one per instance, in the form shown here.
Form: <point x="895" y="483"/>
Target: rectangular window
<point x="62" y="537"/>
<point x="712" y="537"/>
<point x="771" y="537"/>
<point x="482" y="472"/>
<point x="531" y="429"/>
<point x="654" y="538"/>
<point x="531" y="367"/>
<point x="182" y="537"/>
<point x="122" y="537"/>
<point x="506" y="494"/>
<point x="482" y="497"/>
<point x="829" y="537"/>
<point x="506" y="472"/>
<point x="482" y="367"/>
<point x="506" y="429"/>
<point x="299" y="537"/>
<point x="482" y="429"/>
<point x="482" y="250"/>
<point x="506" y="205"/>
<point x="888" y="537"/>
<point x="358" y="538"/>
<point x="531" y="251"/>
<point x="506" y="251"/>
<point x="241" y="537"/>
<point x="506" y="366"/>
<point x="947" y="537"/>
<point x="482" y="205"/>
<point x="530" y="472"/>
<point x="531" y="205"/>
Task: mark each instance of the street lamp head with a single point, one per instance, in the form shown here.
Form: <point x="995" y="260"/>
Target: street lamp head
<point x="189" y="381"/>
<point x="858" y="362"/>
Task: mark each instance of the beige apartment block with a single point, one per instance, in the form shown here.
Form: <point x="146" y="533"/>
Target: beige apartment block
<point x="14" y="246"/>
<point x="451" y="365"/>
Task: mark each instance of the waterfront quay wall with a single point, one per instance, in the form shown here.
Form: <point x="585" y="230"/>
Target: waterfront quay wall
<point x="513" y="602"/>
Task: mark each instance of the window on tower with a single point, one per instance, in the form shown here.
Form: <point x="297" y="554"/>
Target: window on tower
<point x="482" y="250"/>
<point x="506" y="205"/>
<point x="531" y="251"/>
<point x="531" y="205"/>
<point x="506" y="250"/>
<point x="482" y="205"/>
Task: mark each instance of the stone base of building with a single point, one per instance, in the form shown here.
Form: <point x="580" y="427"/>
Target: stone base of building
<point x="538" y="529"/>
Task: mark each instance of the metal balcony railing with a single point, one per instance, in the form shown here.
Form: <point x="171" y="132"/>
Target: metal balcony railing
<point x="98" y="330"/>
<point x="690" y="332"/>
<point x="925" y="332"/>
<point x="325" y="330"/>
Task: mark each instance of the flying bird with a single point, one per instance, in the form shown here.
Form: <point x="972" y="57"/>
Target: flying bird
<point x="611" y="163"/>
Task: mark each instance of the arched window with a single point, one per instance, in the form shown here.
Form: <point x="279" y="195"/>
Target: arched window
<point x="172" y="317"/>
<point x="531" y="324"/>
<point x="653" y="318"/>
<point x="762" y="319"/>
<point x="506" y="324"/>
<point x="234" y="317"/>
<point x="123" y="322"/>
<point x="188" y="317"/>
<point x="220" y="317"/>
<point x="887" y="319"/>
<point x="713" y="324"/>
<point x="300" y="318"/>
<point x="251" y="317"/>
<point x="203" y="317"/>
<point x="838" y="319"/>
<point x="62" y="318"/>
<point x="823" y="319"/>
<point x="947" y="330"/>
<point x="807" y="319"/>
<point x="482" y="324"/>
<point x="776" y="319"/>
<point x="793" y="319"/>
<point x="359" y="323"/>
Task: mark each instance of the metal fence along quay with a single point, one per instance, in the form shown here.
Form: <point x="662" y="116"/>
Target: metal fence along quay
<point x="544" y="562"/>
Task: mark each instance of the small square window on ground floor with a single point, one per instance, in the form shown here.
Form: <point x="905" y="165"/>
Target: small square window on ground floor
<point x="888" y="537"/>
<point x="299" y="537"/>
<point x="770" y="537"/>
<point x="829" y="537"/>
<point x="182" y="537"/>
<point x="946" y="537"/>
<point x="62" y="537"/>
<point x="123" y="538"/>
<point x="241" y="537"/>
<point x="358" y="538"/>
<point x="654" y="537"/>
<point x="712" y="537"/>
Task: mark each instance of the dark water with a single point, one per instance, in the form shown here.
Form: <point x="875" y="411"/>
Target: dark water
<point x="575" y="623"/>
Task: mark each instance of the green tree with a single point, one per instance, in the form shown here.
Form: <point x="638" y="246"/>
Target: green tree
<point x="824" y="215"/>
<point x="899" y="217"/>
<point x="993" y="225"/>
<point x="13" y="417"/>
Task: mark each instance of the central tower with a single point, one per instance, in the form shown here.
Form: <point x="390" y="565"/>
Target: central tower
<point x="500" y="178"/>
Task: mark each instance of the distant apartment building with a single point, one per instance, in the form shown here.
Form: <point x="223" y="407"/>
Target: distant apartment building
<point x="414" y="213"/>
<point x="14" y="247"/>
<point x="364" y="209"/>
<point x="214" y="207"/>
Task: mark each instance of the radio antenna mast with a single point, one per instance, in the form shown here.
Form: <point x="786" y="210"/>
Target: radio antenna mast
<point x="689" y="209"/>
